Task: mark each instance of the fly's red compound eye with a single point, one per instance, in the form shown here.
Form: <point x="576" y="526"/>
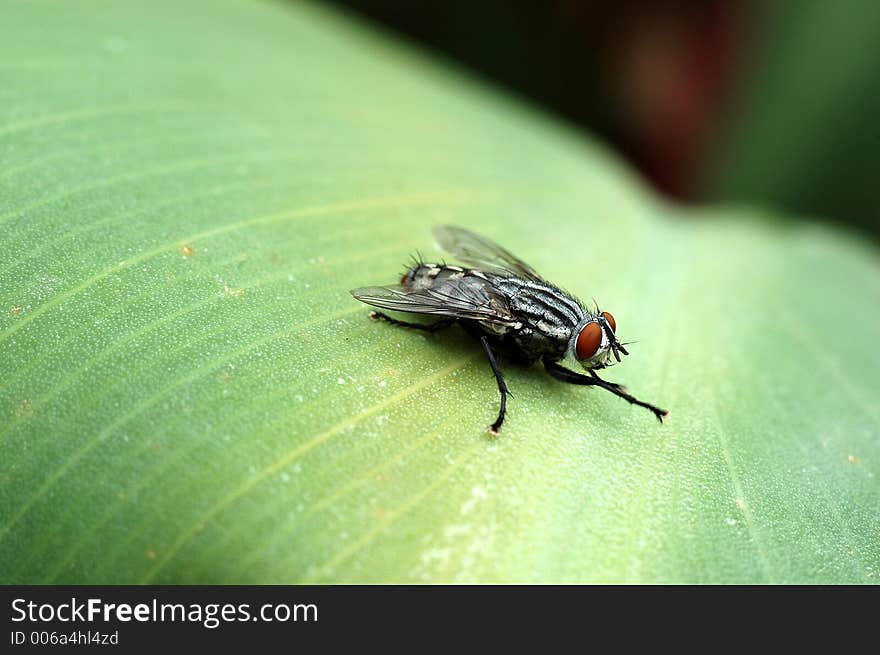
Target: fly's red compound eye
<point x="588" y="341"/>
<point x="608" y="317"/>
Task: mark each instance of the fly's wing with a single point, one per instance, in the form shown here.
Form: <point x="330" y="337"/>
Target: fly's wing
<point x="467" y="297"/>
<point x="480" y="252"/>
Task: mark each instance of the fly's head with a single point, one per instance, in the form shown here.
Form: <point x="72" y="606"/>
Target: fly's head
<point x="594" y="342"/>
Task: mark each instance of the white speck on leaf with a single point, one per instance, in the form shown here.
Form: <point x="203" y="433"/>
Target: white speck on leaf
<point x="452" y="531"/>
<point x="477" y="494"/>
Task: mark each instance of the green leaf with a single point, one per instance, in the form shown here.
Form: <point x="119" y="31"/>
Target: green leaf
<point x="189" y="393"/>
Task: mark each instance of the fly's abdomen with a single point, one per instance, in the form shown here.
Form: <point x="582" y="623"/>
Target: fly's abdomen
<point x="432" y="276"/>
<point x="465" y="291"/>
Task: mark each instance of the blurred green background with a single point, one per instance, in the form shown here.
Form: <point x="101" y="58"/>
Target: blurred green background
<point x="771" y="104"/>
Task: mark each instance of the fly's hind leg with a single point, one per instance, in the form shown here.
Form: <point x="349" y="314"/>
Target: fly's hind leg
<point x="502" y="385"/>
<point x="430" y="327"/>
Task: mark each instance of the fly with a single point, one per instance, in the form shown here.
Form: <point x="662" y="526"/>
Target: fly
<point x="510" y="308"/>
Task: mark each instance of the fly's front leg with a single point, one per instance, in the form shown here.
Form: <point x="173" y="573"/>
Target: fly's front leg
<point x="619" y="387"/>
<point x="431" y="327"/>
<point x="502" y="385"/>
<point x="562" y="373"/>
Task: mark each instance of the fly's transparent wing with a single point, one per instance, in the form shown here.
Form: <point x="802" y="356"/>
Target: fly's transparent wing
<point x="467" y="298"/>
<point x="480" y="252"/>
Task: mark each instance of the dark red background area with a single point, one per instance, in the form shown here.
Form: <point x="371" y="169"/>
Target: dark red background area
<point x="648" y="77"/>
<point x="768" y="104"/>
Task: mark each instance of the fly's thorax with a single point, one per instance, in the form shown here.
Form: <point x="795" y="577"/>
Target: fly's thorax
<point x="547" y="309"/>
<point x="548" y="315"/>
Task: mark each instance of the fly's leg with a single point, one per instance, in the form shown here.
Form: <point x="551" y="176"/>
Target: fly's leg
<point x="562" y="373"/>
<point x="502" y="385"/>
<point x="431" y="327"/>
<point x="619" y="387"/>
